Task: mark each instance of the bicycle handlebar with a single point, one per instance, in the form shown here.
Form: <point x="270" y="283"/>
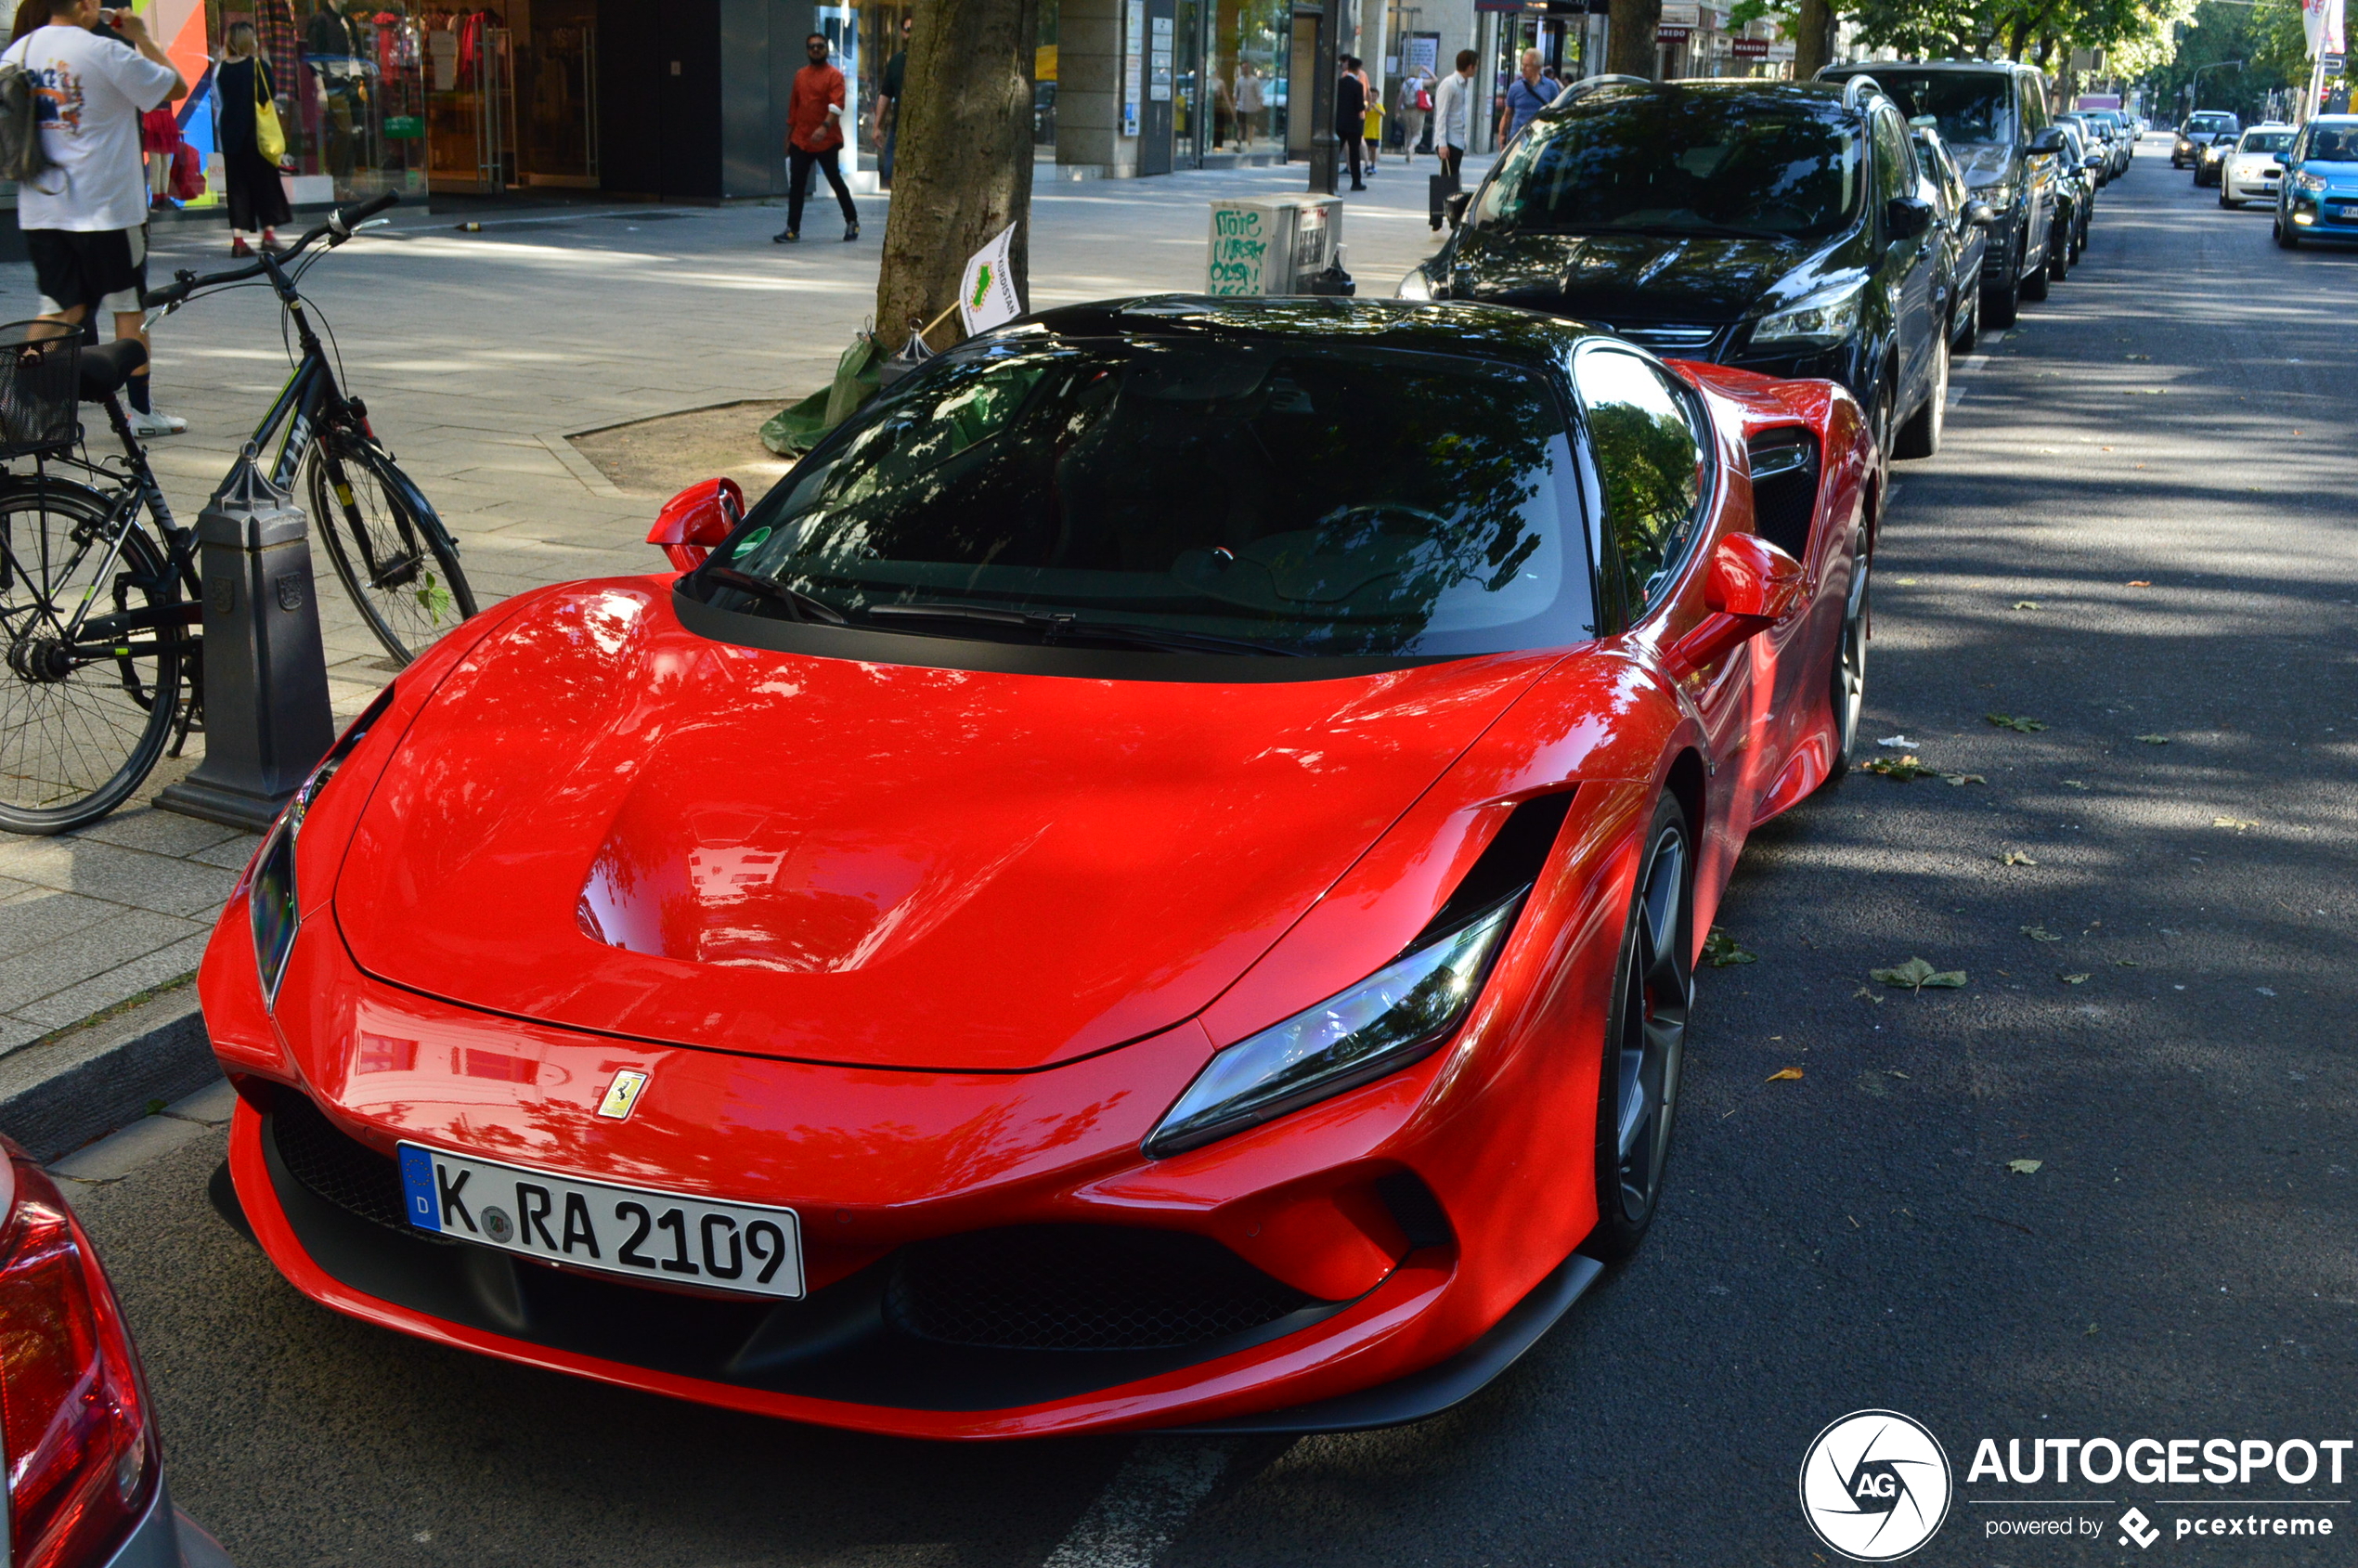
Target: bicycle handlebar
<point x="335" y="231"/>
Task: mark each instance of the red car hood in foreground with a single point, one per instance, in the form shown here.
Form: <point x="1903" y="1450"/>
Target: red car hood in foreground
<point x="606" y="821"/>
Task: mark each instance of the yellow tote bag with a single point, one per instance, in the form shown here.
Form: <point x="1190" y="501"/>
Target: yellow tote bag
<point x="269" y="136"/>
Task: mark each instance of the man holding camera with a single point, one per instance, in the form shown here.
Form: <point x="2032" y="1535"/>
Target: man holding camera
<point x="85" y="221"/>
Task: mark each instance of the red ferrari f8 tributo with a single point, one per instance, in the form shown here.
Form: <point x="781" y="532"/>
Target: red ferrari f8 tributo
<point x="1153" y="881"/>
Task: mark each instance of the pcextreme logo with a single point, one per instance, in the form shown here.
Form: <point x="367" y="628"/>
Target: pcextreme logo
<point x="1875" y="1485"/>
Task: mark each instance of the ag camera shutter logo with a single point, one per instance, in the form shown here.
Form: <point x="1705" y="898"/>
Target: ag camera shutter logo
<point x="1875" y="1485"/>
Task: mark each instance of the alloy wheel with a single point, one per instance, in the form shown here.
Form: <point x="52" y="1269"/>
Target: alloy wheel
<point x="1850" y="686"/>
<point x="1659" y="994"/>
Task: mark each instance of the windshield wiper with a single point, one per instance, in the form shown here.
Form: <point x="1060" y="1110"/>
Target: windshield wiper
<point x="799" y="606"/>
<point x="1699" y="230"/>
<point x="1068" y="627"/>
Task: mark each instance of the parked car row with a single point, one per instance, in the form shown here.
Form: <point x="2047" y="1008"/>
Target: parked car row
<point x="1863" y="228"/>
<point x="2308" y="173"/>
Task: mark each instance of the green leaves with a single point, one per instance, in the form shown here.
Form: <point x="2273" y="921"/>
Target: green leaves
<point x="1900" y="768"/>
<point x="1915" y="975"/>
<point x="2015" y="857"/>
<point x="2025" y="1167"/>
<point x="2011" y="721"/>
<point x="2040" y="934"/>
<point x="1720" y="951"/>
<point x="434" y="600"/>
<point x="2155" y="740"/>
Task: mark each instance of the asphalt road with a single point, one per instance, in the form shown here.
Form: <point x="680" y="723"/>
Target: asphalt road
<point x="2139" y="535"/>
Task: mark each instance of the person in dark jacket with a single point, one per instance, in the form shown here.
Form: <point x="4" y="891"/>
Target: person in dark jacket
<point x="1351" y="118"/>
<point x="257" y="198"/>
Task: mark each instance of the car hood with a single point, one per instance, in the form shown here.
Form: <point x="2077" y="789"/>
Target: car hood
<point x="606" y="821"/>
<point x="1610" y="279"/>
<point x="1983" y="163"/>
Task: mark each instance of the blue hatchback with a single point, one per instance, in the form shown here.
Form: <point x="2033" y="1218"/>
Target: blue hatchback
<point x="2318" y="197"/>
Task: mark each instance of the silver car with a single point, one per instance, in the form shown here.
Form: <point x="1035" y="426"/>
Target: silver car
<point x="2253" y="171"/>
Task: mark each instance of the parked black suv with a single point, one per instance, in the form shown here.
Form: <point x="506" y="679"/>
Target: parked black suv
<point x="1773" y="224"/>
<point x="1993" y="116"/>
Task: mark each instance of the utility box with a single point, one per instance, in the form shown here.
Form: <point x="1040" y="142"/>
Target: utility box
<point x="1274" y="245"/>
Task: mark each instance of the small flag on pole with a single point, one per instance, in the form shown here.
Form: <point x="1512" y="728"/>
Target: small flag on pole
<point x="987" y="294"/>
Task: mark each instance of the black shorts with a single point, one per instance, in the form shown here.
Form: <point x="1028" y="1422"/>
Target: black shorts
<point x="105" y="269"/>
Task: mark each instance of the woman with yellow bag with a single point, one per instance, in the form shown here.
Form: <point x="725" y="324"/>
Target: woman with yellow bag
<point x="253" y="141"/>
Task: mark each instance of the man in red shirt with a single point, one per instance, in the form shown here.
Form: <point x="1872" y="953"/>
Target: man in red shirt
<point x="814" y="134"/>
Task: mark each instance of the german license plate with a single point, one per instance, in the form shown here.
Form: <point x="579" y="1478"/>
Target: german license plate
<point x="2347" y="210"/>
<point x="652" y="1236"/>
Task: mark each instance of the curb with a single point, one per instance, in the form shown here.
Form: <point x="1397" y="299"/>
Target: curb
<point x="58" y="1093"/>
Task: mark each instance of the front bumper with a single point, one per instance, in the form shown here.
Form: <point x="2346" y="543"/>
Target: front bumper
<point x="2333" y="215"/>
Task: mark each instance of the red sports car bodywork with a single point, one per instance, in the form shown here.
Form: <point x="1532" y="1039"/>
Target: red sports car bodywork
<point x="926" y="953"/>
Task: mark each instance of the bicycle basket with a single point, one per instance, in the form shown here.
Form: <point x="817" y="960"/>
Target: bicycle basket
<point x="40" y="387"/>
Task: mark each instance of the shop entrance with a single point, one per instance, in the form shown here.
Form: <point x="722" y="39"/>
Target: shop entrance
<point x="511" y="97"/>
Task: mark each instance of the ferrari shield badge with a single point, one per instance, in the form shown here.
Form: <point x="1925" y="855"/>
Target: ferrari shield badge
<point x="622" y="1093"/>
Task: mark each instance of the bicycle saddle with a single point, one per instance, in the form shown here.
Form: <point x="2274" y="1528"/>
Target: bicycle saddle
<point x="107" y="366"/>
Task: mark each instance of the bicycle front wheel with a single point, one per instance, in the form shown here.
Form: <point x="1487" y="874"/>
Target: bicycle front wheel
<point x="389" y="549"/>
<point x="85" y="704"/>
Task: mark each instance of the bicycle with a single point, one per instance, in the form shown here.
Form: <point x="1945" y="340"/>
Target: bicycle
<point x="89" y="701"/>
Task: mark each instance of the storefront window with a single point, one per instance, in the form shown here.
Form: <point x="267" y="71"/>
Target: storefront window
<point x="879" y="35"/>
<point x="351" y="91"/>
<point x="1043" y="86"/>
<point x="1244" y="102"/>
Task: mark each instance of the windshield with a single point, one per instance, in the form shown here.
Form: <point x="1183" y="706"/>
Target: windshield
<point x="1678" y="162"/>
<point x="2267" y="141"/>
<point x="2211" y="122"/>
<point x="1976" y="106"/>
<point x="2334" y="144"/>
<point x="1308" y="499"/>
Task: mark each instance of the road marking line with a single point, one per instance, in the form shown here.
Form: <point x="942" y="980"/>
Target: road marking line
<point x="1143" y="1506"/>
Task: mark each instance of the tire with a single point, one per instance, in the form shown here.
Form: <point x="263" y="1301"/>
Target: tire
<point x="1846" y="674"/>
<point x="2222" y="196"/>
<point x="2001" y="305"/>
<point x="1971" y="334"/>
<point x="2286" y="237"/>
<point x="390" y="550"/>
<point x="1645" y="1040"/>
<point x="77" y="741"/>
<point x="2034" y="283"/>
<point x="1920" y="437"/>
<point x="2059" y="252"/>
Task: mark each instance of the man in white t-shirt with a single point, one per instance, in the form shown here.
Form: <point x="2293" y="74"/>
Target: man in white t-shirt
<point x="85" y="221"/>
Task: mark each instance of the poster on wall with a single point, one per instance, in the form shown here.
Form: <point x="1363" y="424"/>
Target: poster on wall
<point x="1133" y="40"/>
<point x="1158" y="62"/>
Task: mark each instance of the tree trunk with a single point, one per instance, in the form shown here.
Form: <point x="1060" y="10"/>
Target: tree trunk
<point x="1631" y="49"/>
<point x="961" y="164"/>
<point x="1813" y="38"/>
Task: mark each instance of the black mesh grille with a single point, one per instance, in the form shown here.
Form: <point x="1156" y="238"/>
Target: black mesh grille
<point x="1081" y="1287"/>
<point x="347" y="1173"/>
<point x="1784" y="504"/>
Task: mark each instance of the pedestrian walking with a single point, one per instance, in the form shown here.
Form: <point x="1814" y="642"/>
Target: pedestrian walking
<point x="1371" y="131"/>
<point x="896" y="72"/>
<point x="245" y="88"/>
<point x="85" y="221"/>
<point x="1416" y="103"/>
<point x="1351" y="119"/>
<point x="1250" y="99"/>
<point x="814" y="135"/>
<point x="1530" y="92"/>
<point x="1453" y="117"/>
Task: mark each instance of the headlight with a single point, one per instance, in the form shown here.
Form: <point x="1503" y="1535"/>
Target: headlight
<point x="2000" y="196"/>
<point x="2313" y="184"/>
<point x="1416" y="286"/>
<point x="1818" y="321"/>
<point x="271" y="898"/>
<point x="1400" y="1014"/>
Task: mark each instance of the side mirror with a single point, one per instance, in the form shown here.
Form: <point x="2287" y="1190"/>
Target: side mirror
<point x="1906" y="217"/>
<point x="2049" y="140"/>
<point x="1981" y="215"/>
<point x="1454" y="207"/>
<point x="2093" y="161"/>
<point x="1750" y="587"/>
<point x="693" y="523"/>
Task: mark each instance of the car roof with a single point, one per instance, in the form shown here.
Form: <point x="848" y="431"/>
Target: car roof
<point x="1461" y="328"/>
<point x="1746" y="93"/>
<point x="1870" y="68"/>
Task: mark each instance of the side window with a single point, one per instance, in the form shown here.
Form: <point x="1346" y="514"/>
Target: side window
<point x="1650" y="465"/>
<point x="1895" y="170"/>
<point x="2034" y="103"/>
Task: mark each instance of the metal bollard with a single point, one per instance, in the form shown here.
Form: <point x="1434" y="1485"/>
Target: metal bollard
<point x="265" y="676"/>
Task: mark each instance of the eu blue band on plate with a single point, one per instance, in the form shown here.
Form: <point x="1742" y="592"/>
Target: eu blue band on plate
<point x="417" y="1187"/>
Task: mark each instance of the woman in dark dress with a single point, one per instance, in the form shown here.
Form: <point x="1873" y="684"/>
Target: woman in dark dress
<point x="257" y="199"/>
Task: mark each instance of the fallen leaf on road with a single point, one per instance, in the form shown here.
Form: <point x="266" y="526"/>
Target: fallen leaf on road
<point x="1900" y="768"/>
<point x="1895" y="1072"/>
<point x="1906" y="582"/>
<point x="2074" y="783"/>
<point x="2025" y="1167"/>
<point x="2155" y="740"/>
<point x="1785" y="1074"/>
<point x="2092" y="1328"/>
<point x="2040" y="934"/>
<point x="2139" y="582"/>
<point x="2010" y="722"/>
<point x="1898" y="742"/>
<point x="2073" y="980"/>
<point x="1869" y="992"/>
<point x="2235" y="822"/>
<point x="2025" y="603"/>
<point x="2124" y="964"/>
<point x="2015" y="857"/>
<point x="1719" y="950"/>
<point x="1956" y="780"/>
<point x="1916" y="974"/>
<point x="2145" y="357"/>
